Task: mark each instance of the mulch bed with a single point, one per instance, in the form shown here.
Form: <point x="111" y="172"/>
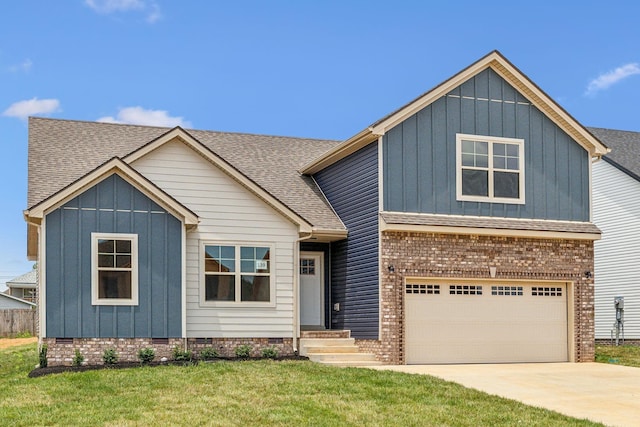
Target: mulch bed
<point x="39" y="372"/>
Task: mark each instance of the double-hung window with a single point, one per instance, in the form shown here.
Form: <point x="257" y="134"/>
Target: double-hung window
<point x="237" y="274"/>
<point x="114" y="269"/>
<point x="489" y="169"/>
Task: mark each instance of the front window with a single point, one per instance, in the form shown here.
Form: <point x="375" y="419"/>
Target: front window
<point x="237" y="274"/>
<point x="490" y="169"/>
<point x="114" y="269"/>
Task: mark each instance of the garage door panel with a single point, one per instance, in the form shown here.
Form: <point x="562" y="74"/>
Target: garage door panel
<point x="523" y="323"/>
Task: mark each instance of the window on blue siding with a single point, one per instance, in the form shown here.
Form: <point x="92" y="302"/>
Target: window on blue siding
<point x="114" y="269"/>
<point x="489" y="169"/>
<point x="237" y="274"/>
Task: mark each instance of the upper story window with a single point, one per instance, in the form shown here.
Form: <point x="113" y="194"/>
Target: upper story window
<point x="237" y="274"/>
<point x="114" y="269"/>
<point x="489" y="169"/>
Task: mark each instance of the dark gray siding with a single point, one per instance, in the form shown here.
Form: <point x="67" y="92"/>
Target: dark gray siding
<point x="113" y="206"/>
<point x="351" y="186"/>
<point x="419" y="158"/>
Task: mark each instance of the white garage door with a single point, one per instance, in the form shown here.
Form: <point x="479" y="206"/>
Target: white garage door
<point x="485" y="322"/>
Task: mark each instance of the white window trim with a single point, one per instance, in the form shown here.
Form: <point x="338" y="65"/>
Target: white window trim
<point x="238" y="291"/>
<point x="94" y="269"/>
<point x="491" y="140"/>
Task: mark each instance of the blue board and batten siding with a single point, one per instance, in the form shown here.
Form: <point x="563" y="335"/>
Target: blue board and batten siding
<point x="351" y="186"/>
<point x="419" y="157"/>
<point x="113" y="206"/>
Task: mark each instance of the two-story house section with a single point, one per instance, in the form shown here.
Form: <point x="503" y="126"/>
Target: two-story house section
<point x="478" y="244"/>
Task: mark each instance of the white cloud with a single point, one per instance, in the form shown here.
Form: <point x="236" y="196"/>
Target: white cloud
<point x="150" y="8"/>
<point x="31" y="107"/>
<point x="24" y="66"/>
<point x="141" y="116"/>
<point x="610" y="78"/>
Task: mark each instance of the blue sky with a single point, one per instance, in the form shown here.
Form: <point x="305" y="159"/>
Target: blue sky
<point x="323" y="69"/>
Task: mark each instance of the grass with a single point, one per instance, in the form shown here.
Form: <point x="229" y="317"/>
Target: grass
<point x="249" y="393"/>
<point x="627" y="355"/>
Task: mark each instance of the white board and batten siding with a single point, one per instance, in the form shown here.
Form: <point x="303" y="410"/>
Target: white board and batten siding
<point x="616" y="211"/>
<point x="229" y="214"/>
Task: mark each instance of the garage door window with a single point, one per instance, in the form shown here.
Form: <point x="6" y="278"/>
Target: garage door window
<point x="465" y="290"/>
<point x="546" y="292"/>
<point x="506" y="290"/>
<point x="422" y="289"/>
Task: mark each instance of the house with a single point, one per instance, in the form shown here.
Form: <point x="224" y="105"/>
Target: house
<point x="616" y="187"/>
<point x="24" y="286"/>
<point x="455" y="229"/>
<point x="9" y="302"/>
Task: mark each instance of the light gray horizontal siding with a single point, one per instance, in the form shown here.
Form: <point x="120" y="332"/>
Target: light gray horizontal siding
<point x="616" y="208"/>
<point x="419" y="158"/>
<point x="228" y="213"/>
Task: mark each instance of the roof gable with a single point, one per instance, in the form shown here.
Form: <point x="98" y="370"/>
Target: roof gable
<point x="184" y="137"/>
<point x="498" y="63"/>
<point x="119" y="167"/>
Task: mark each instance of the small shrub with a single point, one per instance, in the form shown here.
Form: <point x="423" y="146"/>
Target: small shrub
<point x="208" y="353"/>
<point x="42" y="356"/>
<point x="270" y="352"/>
<point x="182" y="355"/>
<point x="25" y="334"/>
<point x="146" y="355"/>
<point x="78" y="358"/>
<point x="243" y="351"/>
<point x="109" y="356"/>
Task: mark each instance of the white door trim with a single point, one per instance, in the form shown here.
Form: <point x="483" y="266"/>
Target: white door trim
<point x="319" y="266"/>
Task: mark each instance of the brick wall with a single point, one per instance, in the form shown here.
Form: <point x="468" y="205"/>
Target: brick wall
<point x="62" y="351"/>
<point x="463" y="256"/>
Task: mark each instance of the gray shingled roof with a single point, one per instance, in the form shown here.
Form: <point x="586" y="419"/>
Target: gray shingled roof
<point x="62" y="151"/>
<point x="27" y="279"/>
<point x="625" y="149"/>
<point x="489" y="222"/>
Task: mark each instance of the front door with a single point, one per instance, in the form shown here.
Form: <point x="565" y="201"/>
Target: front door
<point x="311" y="289"/>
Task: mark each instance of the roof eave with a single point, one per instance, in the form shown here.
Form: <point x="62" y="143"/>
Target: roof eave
<point x="351" y="145"/>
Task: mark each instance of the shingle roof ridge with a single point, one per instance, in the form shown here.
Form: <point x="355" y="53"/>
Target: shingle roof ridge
<point x="613" y="130"/>
<point x="190" y="130"/>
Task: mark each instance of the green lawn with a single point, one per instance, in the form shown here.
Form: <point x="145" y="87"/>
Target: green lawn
<point x="260" y="393"/>
<point x="627" y="355"/>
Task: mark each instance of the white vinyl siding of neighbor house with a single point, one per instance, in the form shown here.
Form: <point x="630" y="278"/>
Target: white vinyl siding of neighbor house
<point x="617" y="256"/>
<point x="228" y="213"/>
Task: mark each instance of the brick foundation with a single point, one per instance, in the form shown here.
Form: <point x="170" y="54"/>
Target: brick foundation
<point x="469" y="256"/>
<point x="62" y="351"/>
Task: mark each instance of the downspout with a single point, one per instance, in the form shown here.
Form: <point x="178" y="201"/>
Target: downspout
<point x="296" y="290"/>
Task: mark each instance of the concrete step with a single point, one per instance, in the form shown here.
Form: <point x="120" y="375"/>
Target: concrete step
<point x="331" y="349"/>
<point x="353" y="363"/>
<point x="342" y="357"/>
<point x="328" y="343"/>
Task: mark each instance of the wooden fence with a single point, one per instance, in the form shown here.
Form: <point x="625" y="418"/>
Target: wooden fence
<point x="16" y="321"/>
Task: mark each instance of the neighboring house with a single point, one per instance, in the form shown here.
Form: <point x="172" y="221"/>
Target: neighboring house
<point x="24" y="286"/>
<point x="616" y="207"/>
<point x="456" y="229"/>
<point x="10" y="302"/>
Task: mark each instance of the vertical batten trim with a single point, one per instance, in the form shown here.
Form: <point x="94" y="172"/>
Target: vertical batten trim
<point x="183" y="288"/>
<point x="42" y="282"/>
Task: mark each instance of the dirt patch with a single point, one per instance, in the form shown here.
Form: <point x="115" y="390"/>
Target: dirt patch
<point x="12" y="342"/>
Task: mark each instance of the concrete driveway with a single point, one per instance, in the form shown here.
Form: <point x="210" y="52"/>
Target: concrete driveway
<point x="609" y="394"/>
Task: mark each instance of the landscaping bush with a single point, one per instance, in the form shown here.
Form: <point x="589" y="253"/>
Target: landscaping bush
<point x="243" y="351"/>
<point x="78" y="358"/>
<point x="182" y="355"/>
<point x="208" y="353"/>
<point x="270" y="352"/>
<point x="42" y="356"/>
<point x="110" y="357"/>
<point x="146" y="355"/>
